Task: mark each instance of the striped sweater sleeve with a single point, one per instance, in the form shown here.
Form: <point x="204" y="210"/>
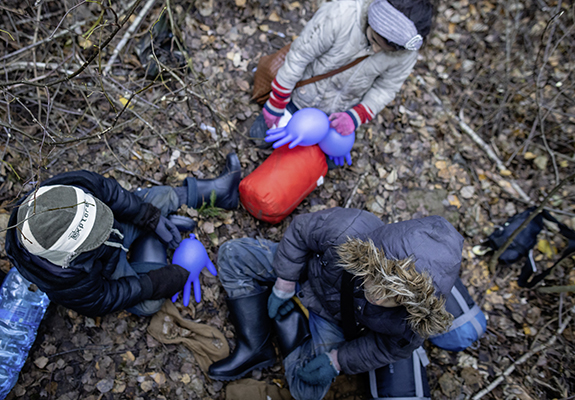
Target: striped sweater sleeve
<point x="278" y="100"/>
<point x="360" y="114"/>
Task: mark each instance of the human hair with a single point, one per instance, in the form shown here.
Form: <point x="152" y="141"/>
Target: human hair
<point x="420" y="12"/>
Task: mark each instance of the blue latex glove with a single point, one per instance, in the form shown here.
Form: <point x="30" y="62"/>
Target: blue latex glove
<point x="340" y="160"/>
<point x="278" y="306"/>
<point x="192" y="255"/>
<point x="168" y="232"/>
<point x="283" y="136"/>
<point x="306" y="127"/>
<point x="319" y="371"/>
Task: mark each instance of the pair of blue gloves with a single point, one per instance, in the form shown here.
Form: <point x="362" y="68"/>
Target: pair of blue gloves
<point x="320" y="370"/>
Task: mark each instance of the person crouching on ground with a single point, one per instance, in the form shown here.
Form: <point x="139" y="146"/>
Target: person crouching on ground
<point x="373" y="292"/>
<point x="71" y="236"/>
<point x="390" y="33"/>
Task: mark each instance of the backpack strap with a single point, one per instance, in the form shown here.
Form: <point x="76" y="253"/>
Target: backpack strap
<point x="348" y="323"/>
<point x="417" y="364"/>
<point x="468" y="313"/>
<point x="420" y="359"/>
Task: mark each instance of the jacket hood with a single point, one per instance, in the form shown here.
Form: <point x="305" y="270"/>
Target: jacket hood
<point x="416" y="262"/>
<point x="432" y="242"/>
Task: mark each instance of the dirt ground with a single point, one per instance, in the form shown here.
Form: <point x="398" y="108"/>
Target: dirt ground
<point x="494" y="76"/>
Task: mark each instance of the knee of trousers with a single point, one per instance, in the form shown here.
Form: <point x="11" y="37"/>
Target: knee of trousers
<point x="228" y="261"/>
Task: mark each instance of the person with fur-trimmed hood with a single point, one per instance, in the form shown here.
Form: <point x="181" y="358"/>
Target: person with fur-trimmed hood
<point x="388" y="32"/>
<point x="373" y="292"/>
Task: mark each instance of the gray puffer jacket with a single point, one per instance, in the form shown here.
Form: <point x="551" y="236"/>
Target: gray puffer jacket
<point x="334" y="37"/>
<point x="308" y="253"/>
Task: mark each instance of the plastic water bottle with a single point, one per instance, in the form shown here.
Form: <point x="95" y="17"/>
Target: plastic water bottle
<point x="21" y="311"/>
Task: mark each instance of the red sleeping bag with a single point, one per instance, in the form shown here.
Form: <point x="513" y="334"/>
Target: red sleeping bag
<point x="275" y="188"/>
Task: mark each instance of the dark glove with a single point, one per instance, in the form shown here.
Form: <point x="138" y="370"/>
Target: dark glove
<point x="168" y="232"/>
<point x="277" y="305"/>
<point x="319" y="371"/>
<point x="167" y="280"/>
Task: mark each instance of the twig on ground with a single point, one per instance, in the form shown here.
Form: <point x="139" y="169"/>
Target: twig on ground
<point x="64" y="17"/>
<point x="41" y="42"/>
<point x="201" y="98"/>
<point x="538" y="95"/>
<point x="125" y="171"/>
<point x="88" y="61"/>
<point x="22" y="65"/>
<point x="525" y="357"/>
<point x="34" y="40"/>
<point x="128" y="34"/>
<point x="557" y="289"/>
<point x="33" y="117"/>
<point x="476" y="138"/>
<point x="115" y="85"/>
<point x="44" y="16"/>
<point x="354" y="190"/>
<point x="555" y="210"/>
<point x="558" y="155"/>
<point x="490" y="153"/>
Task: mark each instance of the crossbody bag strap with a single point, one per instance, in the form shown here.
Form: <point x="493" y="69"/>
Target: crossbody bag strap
<point x="347" y="312"/>
<point x="331" y="73"/>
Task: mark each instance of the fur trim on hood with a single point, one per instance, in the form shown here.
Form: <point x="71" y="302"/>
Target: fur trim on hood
<point x="383" y="277"/>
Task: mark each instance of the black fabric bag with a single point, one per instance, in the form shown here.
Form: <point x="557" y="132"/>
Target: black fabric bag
<point x="403" y="380"/>
<point x="524" y="242"/>
<point x="521" y="245"/>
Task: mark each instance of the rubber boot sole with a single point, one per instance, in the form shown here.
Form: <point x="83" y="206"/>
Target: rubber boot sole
<point x="261" y="365"/>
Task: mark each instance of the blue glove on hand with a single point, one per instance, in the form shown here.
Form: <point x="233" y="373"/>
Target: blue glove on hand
<point x="168" y="232"/>
<point x="192" y="255"/>
<point x="278" y="306"/>
<point x="319" y="371"/>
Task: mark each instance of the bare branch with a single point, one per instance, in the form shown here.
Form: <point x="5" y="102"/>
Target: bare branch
<point x="143" y="12"/>
<point x="525" y="357"/>
<point x="88" y="62"/>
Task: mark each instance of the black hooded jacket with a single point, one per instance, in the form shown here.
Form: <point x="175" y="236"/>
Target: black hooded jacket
<point x="86" y="285"/>
<point x="308" y="253"/>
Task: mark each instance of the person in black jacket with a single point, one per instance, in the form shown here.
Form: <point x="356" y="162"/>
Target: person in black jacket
<point x="373" y="293"/>
<point x="71" y="237"/>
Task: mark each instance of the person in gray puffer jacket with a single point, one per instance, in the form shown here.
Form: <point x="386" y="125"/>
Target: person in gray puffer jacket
<point x="372" y="292"/>
<point x="388" y="32"/>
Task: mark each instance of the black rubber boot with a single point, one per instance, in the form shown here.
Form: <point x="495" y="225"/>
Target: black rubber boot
<point x="226" y="186"/>
<point x="292" y="330"/>
<point x="254" y="348"/>
<point x="148" y="248"/>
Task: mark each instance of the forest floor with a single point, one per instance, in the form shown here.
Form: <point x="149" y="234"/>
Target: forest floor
<point x="500" y="70"/>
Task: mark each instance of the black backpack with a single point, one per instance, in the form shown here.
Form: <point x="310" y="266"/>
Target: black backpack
<point x="524" y="242"/>
<point x="403" y="380"/>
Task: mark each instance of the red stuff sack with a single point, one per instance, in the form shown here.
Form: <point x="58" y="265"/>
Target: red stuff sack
<point x="275" y="188"/>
